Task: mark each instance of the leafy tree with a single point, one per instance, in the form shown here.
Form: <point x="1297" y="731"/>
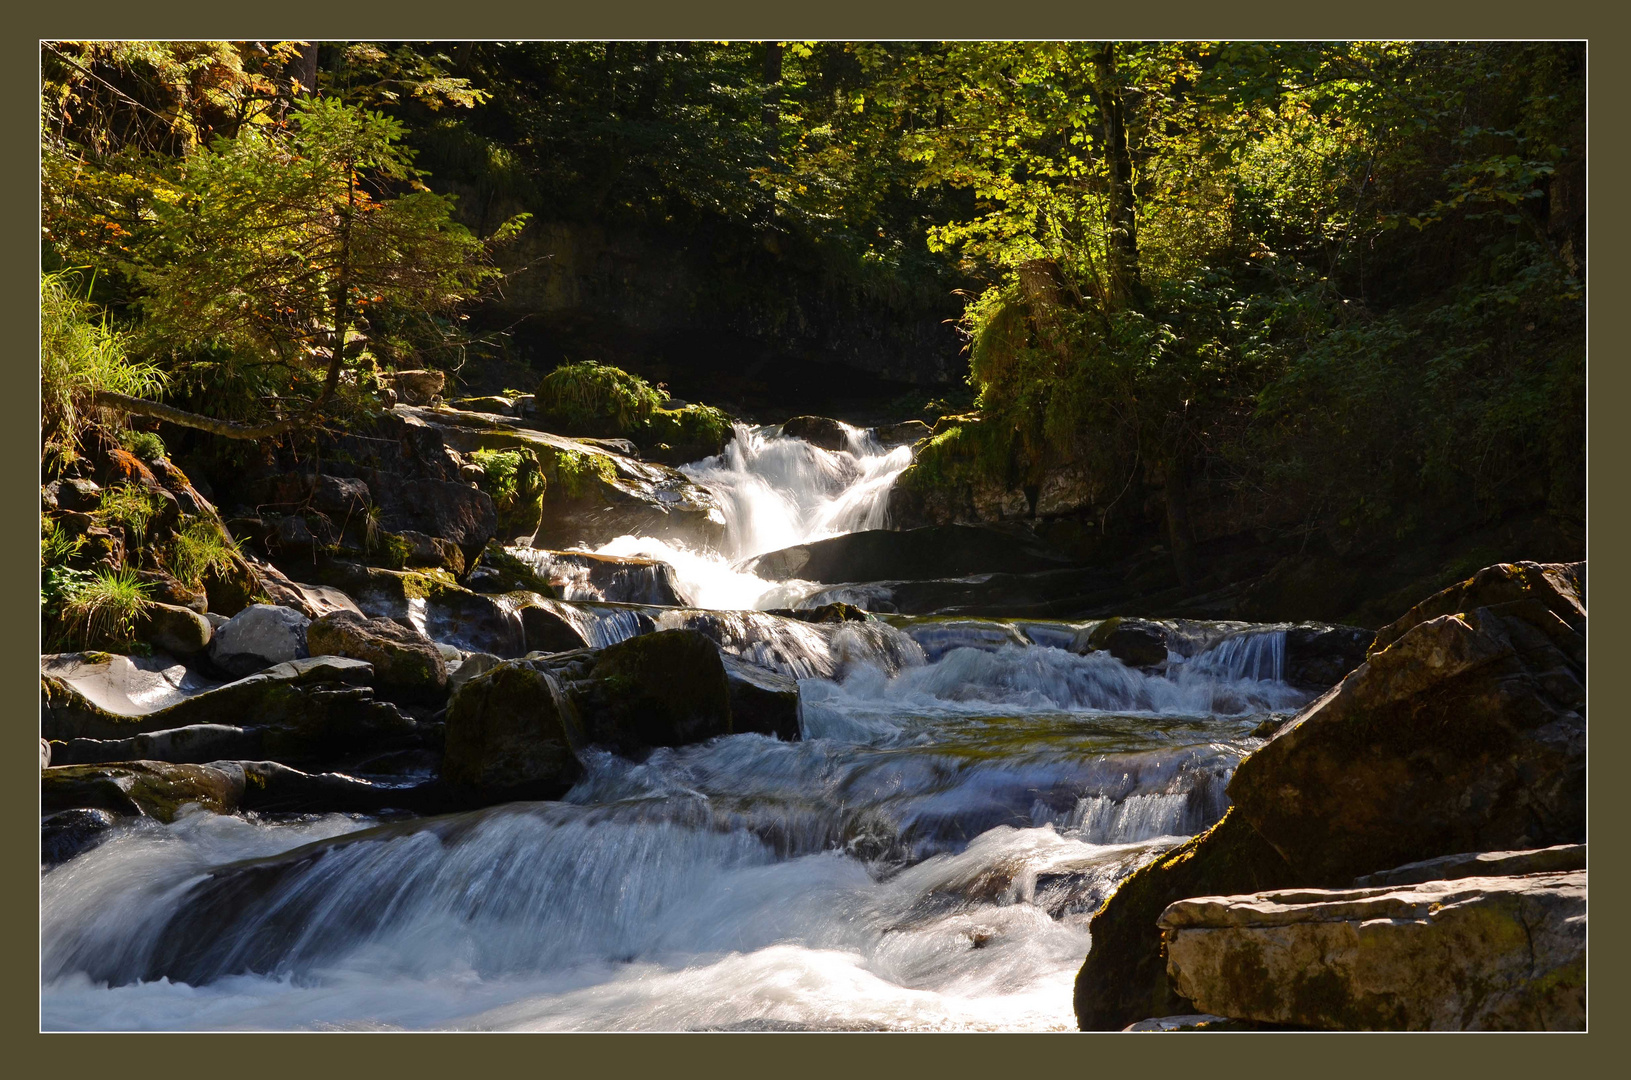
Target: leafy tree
<point x="276" y="244"/>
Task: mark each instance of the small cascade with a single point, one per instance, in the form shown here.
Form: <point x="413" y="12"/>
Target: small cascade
<point x="800" y="649"/>
<point x="1258" y="654"/>
<point x="775" y="491"/>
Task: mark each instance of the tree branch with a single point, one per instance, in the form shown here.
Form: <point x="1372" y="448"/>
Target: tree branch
<point x="107" y="399"/>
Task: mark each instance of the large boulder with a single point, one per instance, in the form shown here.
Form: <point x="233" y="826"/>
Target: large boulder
<point x="762" y="700"/>
<point x="1549" y="860"/>
<point x="930" y="552"/>
<point x="1466" y="733"/>
<point x="1135" y="642"/>
<point x="258" y="637"/>
<point x="155" y="789"/>
<point x="407" y="666"/>
<point x="1474" y="954"/>
<point x="582" y="575"/>
<point x="667" y="688"/>
<point x="1559" y="587"/>
<point x="511" y="734"/>
<point x="819" y="431"/>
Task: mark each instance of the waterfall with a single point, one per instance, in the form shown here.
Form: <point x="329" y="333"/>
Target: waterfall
<point x="775" y="491"/>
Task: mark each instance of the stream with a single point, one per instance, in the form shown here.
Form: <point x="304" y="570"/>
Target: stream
<point x="965" y="793"/>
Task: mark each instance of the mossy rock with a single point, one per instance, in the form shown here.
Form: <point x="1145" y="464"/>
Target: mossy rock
<point x="407" y="666"/>
<point x="1124" y="978"/>
<point x="511" y="734"/>
<point x="661" y="689"/>
<point x="498" y="571"/>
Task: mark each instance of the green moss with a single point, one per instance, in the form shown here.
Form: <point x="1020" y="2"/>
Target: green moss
<point x="578" y="471"/>
<point x="144" y="444"/>
<point x="590" y="398"/>
<point x="425" y="584"/>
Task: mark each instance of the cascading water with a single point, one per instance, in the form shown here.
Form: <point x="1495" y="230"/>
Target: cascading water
<point x="775" y="491"/>
<point x="965" y="793"/>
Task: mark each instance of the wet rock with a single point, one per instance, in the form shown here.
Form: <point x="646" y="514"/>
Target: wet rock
<point x="1124" y="978"/>
<point x="547" y="630"/>
<point x="905" y="433"/>
<point x="581" y="575"/>
<point x="307" y="712"/>
<point x="436" y="605"/>
<point x="270" y="787"/>
<point x="407" y="666"/>
<point x="667" y="688"/>
<point x="154" y="789"/>
<point x="935" y="551"/>
<point x="420" y="549"/>
<point x="73" y="832"/>
<point x="175" y="630"/>
<point x="1475" y="954"/>
<point x="468" y="668"/>
<point x="824" y="613"/>
<point x="258" y="637"/>
<point x="1135" y="642"/>
<point x="818" y="431"/>
<point x="1467" y="733"/>
<point x="1481" y="864"/>
<point x="501" y="569"/>
<point x="762" y="700"/>
<point x="510" y="735"/>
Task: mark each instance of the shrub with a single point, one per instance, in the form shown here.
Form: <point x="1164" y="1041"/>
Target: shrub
<point x="102" y="609"/>
<point x="57" y="545"/>
<point x="79" y="355"/>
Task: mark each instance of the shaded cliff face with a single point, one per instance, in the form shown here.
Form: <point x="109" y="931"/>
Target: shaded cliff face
<point x="723" y="314"/>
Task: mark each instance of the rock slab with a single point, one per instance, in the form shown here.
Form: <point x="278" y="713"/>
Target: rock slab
<point x="1474" y="954"/>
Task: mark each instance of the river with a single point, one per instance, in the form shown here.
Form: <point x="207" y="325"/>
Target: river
<point x="965" y="793"/>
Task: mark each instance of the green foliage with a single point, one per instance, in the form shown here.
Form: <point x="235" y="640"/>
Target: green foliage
<point x="131" y="508"/>
<point x="100" y="611"/>
<point x="57" y="544"/>
<point x="515" y="481"/>
<point x="696" y="431"/>
<point x="144" y="444"/>
<point x="199" y="547"/>
<point x="80" y="354"/>
<point x="591" y="398"/>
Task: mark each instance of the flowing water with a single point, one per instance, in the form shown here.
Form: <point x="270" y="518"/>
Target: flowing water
<point x="965" y="793"/>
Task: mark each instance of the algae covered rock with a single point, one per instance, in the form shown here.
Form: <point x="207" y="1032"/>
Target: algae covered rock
<point x="155" y="789"/>
<point x="1475" y="954"/>
<point x="407" y="666"/>
<point x="176" y="630"/>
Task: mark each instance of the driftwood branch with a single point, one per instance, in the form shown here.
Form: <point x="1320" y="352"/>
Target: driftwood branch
<point x="107" y="399"/>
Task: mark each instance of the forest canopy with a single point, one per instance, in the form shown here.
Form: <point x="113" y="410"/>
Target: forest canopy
<point x="1307" y="287"/>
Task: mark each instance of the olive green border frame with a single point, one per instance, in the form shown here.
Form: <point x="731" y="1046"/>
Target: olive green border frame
<point x="792" y="1054"/>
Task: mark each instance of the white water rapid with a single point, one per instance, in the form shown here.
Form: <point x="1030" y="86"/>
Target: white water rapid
<point x="776" y="491"/>
<point x="965" y="793"/>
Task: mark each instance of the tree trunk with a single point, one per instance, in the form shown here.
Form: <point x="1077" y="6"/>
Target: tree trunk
<point x="771" y="109"/>
<point x="1180" y="537"/>
<point x="1126" y="286"/>
<point x="303" y="70"/>
<point x="342" y="290"/>
<point x="1039" y="280"/>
